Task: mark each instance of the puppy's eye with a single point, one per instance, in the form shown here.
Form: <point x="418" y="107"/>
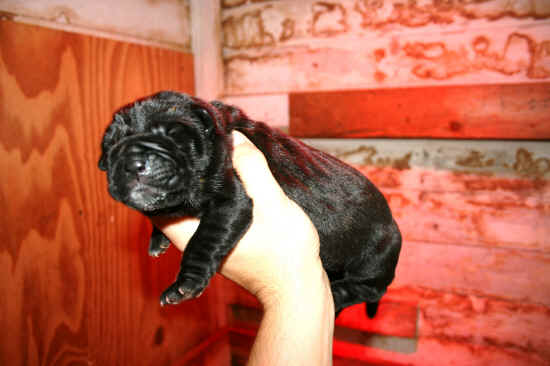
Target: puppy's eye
<point x="166" y="128"/>
<point x="174" y="130"/>
<point x="158" y="128"/>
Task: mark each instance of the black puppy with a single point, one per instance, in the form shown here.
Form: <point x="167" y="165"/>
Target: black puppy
<point x="170" y="155"/>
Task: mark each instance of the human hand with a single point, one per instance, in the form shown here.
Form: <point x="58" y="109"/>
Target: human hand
<point x="281" y="243"/>
<point x="278" y="261"/>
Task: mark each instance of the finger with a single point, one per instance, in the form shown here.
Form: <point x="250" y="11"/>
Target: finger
<point x="253" y="169"/>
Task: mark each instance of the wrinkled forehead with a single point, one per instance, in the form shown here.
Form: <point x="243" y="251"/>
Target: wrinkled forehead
<point x="165" y="106"/>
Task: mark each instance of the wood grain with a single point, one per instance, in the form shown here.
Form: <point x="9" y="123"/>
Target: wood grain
<point x="518" y="111"/>
<point x="77" y="285"/>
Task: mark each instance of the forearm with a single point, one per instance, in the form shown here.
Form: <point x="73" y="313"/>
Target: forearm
<point x="297" y="327"/>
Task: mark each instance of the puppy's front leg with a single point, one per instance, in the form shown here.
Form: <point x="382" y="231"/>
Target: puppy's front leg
<point x="158" y="243"/>
<point x="220" y="228"/>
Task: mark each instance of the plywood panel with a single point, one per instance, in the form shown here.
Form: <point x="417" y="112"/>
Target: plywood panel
<point x="77" y="285"/>
<point x="520" y="111"/>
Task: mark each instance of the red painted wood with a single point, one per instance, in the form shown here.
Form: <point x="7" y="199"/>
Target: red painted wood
<point x="518" y="111"/>
<point x="392" y="318"/>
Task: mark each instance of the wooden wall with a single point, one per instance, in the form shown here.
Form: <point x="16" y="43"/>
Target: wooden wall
<point x="76" y="283"/>
<point x="161" y="23"/>
<point x="455" y="93"/>
<point x="350" y="44"/>
<point x="472" y="285"/>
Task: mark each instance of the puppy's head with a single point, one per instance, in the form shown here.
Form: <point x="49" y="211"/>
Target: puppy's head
<point x="157" y="152"/>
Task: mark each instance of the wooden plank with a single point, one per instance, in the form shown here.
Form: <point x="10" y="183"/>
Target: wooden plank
<point x="435" y="352"/>
<point x="487" y="322"/>
<point x="165" y="23"/>
<point x="466" y="159"/>
<point x="309" y="20"/>
<point x="207" y="48"/>
<point x="449" y="208"/>
<point x="519" y="111"/>
<point x="77" y="284"/>
<point x="462" y="325"/>
<point x="478" y="320"/>
<point x="515" y="275"/>
<point x="487" y="193"/>
<point x="485" y="218"/>
<point x="348" y="44"/>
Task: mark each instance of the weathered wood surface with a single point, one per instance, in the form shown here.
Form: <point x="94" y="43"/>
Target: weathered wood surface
<point x="479" y="158"/>
<point x="464" y="330"/>
<point x="392" y="318"/>
<point x="509" y="274"/>
<point x="475" y="214"/>
<point x="166" y="23"/>
<point x="76" y="284"/>
<point x="517" y="111"/>
<point x="489" y="194"/>
<point x="435" y="352"/>
<point x="475" y="218"/>
<point x="446" y="328"/>
<point x="282" y="46"/>
<point x="443" y="207"/>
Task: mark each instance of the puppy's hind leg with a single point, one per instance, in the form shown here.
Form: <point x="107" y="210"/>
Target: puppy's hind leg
<point x="351" y="291"/>
<point x="367" y="279"/>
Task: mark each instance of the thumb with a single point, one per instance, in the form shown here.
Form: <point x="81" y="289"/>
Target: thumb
<point x="252" y="167"/>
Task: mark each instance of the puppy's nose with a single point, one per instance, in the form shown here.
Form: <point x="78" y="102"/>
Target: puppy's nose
<point x="135" y="166"/>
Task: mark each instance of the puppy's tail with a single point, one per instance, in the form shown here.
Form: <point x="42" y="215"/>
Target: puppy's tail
<point x="372" y="308"/>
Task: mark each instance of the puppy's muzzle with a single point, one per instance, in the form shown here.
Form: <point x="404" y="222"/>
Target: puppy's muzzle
<point x="136" y="165"/>
<point x="150" y="164"/>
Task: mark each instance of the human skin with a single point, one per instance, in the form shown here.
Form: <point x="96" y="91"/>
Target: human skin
<point x="277" y="260"/>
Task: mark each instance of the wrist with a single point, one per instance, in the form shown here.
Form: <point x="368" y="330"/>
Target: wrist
<point x="310" y="288"/>
<point x="300" y="322"/>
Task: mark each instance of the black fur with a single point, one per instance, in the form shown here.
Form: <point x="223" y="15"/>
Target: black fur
<point x="170" y="155"/>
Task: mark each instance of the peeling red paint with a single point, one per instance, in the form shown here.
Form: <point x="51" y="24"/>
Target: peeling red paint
<point x="235" y="36"/>
<point x="380" y="76"/>
<point x="379" y="54"/>
<point x="521" y="53"/>
<point x="336" y="22"/>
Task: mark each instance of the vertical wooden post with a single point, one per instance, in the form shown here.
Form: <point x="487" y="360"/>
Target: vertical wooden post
<point x="206" y="45"/>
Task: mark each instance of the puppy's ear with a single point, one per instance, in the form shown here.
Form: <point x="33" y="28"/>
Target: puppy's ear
<point x="103" y="162"/>
<point x="205" y="117"/>
<point x="113" y="133"/>
<point x="107" y="140"/>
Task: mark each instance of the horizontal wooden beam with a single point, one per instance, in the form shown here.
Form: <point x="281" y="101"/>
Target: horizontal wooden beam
<point x="515" y="111"/>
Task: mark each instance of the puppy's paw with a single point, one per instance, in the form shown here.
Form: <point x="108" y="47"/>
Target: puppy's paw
<point x="158" y="243"/>
<point x="180" y="291"/>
